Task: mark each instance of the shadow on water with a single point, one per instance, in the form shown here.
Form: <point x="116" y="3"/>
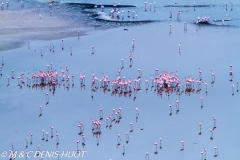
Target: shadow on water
<point x="92" y="5"/>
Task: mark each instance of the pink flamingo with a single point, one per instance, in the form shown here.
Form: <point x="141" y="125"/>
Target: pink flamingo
<point x="130" y="58"/>
<point x="137" y="114"/>
<point x="72" y="78"/>
<point x="81" y="129"/>
<point x="170" y="106"/>
<point x="26" y="142"/>
<point x="41" y="52"/>
<point x="231" y="5"/>
<point x="57" y="139"/>
<point x="206" y="88"/>
<point x="201" y="154"/>
<point x="93" y="49"/>
<point x="95" y="8"/>
<point x="1" y="70"/>
<point x="177" y="106"/>
<point x="50" y="47"/>
<point x="179" y="48"/>
<point x="43" y="134"/>
<point x="216" y="151"/>
<point x="170" y="26"/>
<point x="102" y="7"/>
<point x="237" y="86"/>
<point x="205" y="153"/>
<point x="31" y="138"/>
<point x="146" y="84"/>
<point x="178" y="15"/>
<point x="185" y="26"/>
<point x="47" y="97"/>
<point x="83" y="140"/>
<point x="77" y="145"/>
<point x="38" y="150"/>
<point x="131" y="127"/>
<point x="214" y="120"/>
<point x="200" y="74"/>
<point x="106" y="122"/>
<point x="120" y="113"/>
<point x="201" y="102"/>
<point x="145" y="5"/>
<point x="131" y="51"/>
<point x="211" y="130"/>
<point x="156" y="148"/>
<point x="118" y="139"/>
<point x="213" y="76"/>
<point x="127" y="137"/>
<point x="101" y="113"/>
<point x="53" y="47"/>
<point x="231" y="73"/>
<point x="123" y="149"/>
<point x="113" y="114"/>
<point x="122" y="62"/>
<point x="12" y="74"/>
<point x="156" y="71"/>
<point x="200" y="125"/>
<point x="51" y="127"/>
<point x="160" y="139"/>
<point x="147" y="156"/>
<point x="48" y="67"/>
<point x="170" y="12"/>
<point x="12" y="146"/>
<point x="182" y="142"/>
<point x="40" y="111"/>
<point x="133" y="16"/>
<point x="140" y="72"/>
<point x="46" y="136"/>
<point x="62" y="45"/>
<point x="2" y="60"/>
<point x="132" y="43"/>
<point x="8" y="79"/>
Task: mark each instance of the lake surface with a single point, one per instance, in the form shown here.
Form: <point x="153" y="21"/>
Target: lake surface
<point x="209" y="48"/>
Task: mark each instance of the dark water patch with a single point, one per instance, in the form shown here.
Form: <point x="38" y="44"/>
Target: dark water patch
<point x="127" y="21"/>
<point x="219" y="23"/>
<point x="92" y="5"/>
<point x="19" y="36"/>
<point x="103" y="24"/>
<point x="87" y="11"/>
<point x="53" y="2"/>
<point x="118" y="6"/>
<point x="83" y="5"/>
<point x="7" y="45"/>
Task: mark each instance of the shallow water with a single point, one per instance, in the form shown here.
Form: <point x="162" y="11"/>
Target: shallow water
<point x="207" y="47"/>
<point x="33" y="19"/>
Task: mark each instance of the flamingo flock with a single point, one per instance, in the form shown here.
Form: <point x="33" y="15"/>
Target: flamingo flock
<point x="161" y="82"/>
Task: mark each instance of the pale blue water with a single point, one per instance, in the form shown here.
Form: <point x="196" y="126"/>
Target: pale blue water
<point x="207" y="47"/>
<point x="73" y="11"/>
